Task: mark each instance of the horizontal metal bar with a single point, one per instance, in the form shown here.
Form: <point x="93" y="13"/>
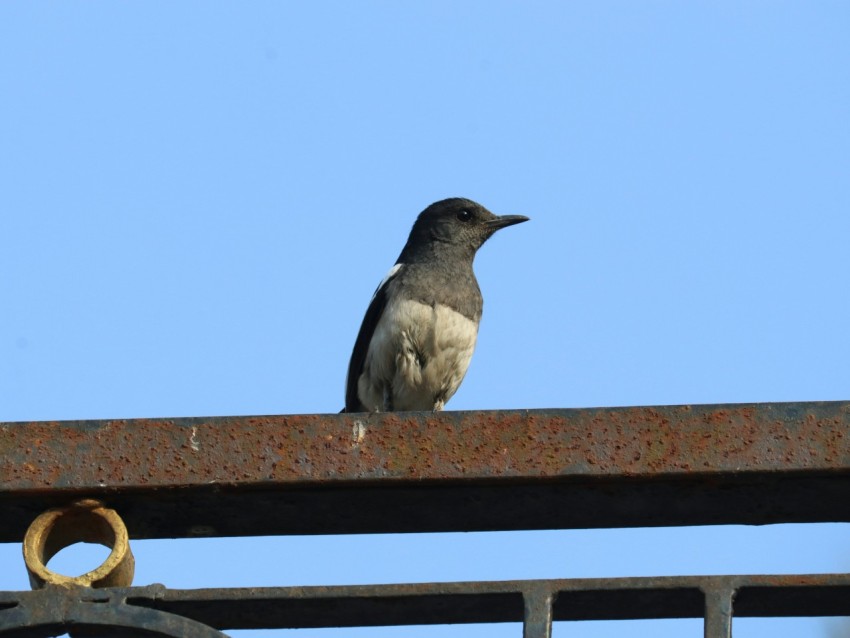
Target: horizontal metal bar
<point x="448" y="471"/>
<point x="479" y="602"/>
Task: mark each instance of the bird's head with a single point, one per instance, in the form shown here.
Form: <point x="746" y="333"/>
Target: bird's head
<point x="458" y="222"/>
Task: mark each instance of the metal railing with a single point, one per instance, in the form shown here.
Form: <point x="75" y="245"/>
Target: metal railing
<point x="450" y="471"/>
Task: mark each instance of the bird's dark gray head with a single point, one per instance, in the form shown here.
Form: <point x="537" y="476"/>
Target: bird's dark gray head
<point x="457" y="222"/>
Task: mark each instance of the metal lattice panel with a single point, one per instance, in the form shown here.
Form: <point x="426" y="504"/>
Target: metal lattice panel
<point x="462" y="471"/>
<point x="536" y="603"/>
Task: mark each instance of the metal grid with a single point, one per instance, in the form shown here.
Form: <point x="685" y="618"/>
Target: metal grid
<point x="536" y="603"/>
<point x="506" y="470"/>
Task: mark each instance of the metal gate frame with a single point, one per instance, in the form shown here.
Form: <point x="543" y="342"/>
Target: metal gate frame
<point x="450" y="471"/>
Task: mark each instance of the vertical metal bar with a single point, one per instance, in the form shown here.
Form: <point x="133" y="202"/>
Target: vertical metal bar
<point x="718" y="610"/>
<point x="537" y="622"/>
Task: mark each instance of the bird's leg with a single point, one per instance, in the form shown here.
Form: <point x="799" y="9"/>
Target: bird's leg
<point x="388" y="398"/>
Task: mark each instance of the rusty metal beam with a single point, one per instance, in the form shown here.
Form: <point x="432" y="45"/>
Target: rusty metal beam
<point x="449" y="471"/>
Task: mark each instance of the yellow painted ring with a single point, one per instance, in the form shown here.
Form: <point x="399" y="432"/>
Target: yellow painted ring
<point x="86" y="521"/>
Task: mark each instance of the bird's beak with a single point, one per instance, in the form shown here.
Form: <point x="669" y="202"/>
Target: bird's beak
<point x="506" y="220"/>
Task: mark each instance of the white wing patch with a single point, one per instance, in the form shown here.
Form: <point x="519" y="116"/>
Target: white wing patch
<point x="387" y="277"/>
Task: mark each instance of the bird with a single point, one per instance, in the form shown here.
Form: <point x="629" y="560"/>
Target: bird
<point x="419" y="332"/>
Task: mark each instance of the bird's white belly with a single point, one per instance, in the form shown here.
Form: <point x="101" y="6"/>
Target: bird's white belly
<point x="417" y="357"/>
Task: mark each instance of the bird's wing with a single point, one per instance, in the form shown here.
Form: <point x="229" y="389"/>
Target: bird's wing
<point x="364" y="337"/>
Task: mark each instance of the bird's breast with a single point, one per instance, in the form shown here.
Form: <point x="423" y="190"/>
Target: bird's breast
<point x="420" y="352"/>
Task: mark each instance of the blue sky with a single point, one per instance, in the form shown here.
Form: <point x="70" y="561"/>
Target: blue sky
<point x="197" y="200"/>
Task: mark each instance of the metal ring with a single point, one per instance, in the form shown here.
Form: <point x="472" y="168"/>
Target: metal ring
<point x="86" y="521"/>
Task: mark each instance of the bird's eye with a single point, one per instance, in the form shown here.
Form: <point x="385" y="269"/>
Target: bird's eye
<point x="464" y="215"/>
